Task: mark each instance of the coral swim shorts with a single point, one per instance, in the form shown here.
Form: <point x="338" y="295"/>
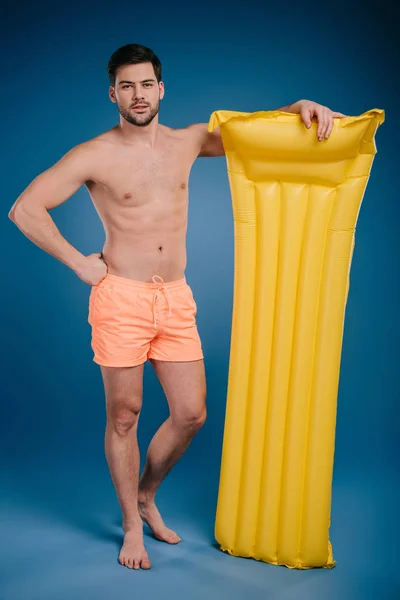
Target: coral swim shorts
<point x="136" y="320"/>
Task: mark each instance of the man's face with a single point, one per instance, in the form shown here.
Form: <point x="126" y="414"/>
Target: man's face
<point x="137" y="85"/>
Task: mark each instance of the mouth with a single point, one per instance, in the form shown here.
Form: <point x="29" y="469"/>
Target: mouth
<point x="139" y="107"/>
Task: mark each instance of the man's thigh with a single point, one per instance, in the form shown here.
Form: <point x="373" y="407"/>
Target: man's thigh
<point x="184" y="385"/>
<point x="123" y="386"/>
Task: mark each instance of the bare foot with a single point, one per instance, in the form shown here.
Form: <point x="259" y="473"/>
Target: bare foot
<point x="150" y="514"/>
<point x="133" y="554"/>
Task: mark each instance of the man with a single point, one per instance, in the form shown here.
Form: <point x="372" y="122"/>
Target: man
<point x="140" y="303"/>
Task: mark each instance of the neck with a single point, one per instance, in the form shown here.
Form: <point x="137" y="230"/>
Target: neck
<point x="133" y="133"/>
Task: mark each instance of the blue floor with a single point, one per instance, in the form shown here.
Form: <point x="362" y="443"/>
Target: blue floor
<point x="60" y="527"/>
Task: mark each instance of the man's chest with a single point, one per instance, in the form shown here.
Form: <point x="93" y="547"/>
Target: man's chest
<point x="137" y="176"/>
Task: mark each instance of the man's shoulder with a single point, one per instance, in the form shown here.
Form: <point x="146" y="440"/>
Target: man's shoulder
<point x="91" y="156"/>
<point x="94" y="148"/>
<point x="197" y="129"/>
<point x="193" y="134"/>
<point x="99" y="141"/>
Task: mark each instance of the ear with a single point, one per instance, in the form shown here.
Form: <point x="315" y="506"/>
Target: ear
<point x="111" y="94"/>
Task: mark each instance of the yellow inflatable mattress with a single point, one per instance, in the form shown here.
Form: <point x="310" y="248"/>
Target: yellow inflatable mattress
<point x="295" y="206"/>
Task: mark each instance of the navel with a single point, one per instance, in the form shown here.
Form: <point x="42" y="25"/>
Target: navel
<point x="160" y="248"/>
<point x="183" y="185"/>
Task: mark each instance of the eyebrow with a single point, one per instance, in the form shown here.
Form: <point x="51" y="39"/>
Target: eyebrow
<point x="144" y="81"/>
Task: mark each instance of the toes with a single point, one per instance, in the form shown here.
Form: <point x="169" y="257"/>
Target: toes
<point x="170" y="539"/>
<point x="174" y="539"/>
<point x="146" y="563"/>
<point x="134" y="563"/>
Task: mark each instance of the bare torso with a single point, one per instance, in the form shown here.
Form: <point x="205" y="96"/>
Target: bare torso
<point x="141" y="197"/>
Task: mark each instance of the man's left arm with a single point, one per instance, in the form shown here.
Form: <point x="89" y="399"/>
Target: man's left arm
<point x="211" y="143"/>
<point x="308" y="110"/>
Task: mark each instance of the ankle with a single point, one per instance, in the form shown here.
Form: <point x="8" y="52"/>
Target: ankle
<point x="145" y="497"/>
<point x="132" y="523"/>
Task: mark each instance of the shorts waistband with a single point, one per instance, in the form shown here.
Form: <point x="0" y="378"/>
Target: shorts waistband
<point x="149" y="285"/>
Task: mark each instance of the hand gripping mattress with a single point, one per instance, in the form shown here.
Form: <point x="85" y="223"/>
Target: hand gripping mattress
<point x="295" y="205"/>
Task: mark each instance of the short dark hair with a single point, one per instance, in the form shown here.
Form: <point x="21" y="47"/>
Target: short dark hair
<point x="132" y="54"/>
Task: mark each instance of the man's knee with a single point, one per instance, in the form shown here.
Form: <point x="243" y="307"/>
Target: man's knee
<point x="193" y="420"/>
<point x="123" y="414"/>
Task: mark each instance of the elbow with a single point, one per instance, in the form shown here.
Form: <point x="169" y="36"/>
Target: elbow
<point x="15" y="212"/>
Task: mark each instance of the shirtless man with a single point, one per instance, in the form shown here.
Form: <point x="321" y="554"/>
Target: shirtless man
<point x="140" y="304"/>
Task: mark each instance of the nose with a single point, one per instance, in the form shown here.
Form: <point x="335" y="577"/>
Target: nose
<point x="138" y="93"/>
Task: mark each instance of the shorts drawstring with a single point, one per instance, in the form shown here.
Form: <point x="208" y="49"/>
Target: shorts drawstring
<point x="161" y="287"/>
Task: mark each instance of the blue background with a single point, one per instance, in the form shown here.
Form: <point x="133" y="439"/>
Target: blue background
<point x="60" y="520"/>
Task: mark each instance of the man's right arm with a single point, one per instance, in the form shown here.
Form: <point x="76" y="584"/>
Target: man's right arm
<point x="48" y="190"/>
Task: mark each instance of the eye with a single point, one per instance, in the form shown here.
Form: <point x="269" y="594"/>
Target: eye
<point x="125" y="86"/>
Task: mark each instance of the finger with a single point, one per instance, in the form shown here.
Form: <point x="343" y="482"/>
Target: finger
<point x="320" y="116"/>
<point x="338" y="114"/>
<point x="306" y="116"/>
<point x="324" y="124"/>
<point x="321" y="121"/>
<point x="328" y="132"/>
<point x="329" y="120"/>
